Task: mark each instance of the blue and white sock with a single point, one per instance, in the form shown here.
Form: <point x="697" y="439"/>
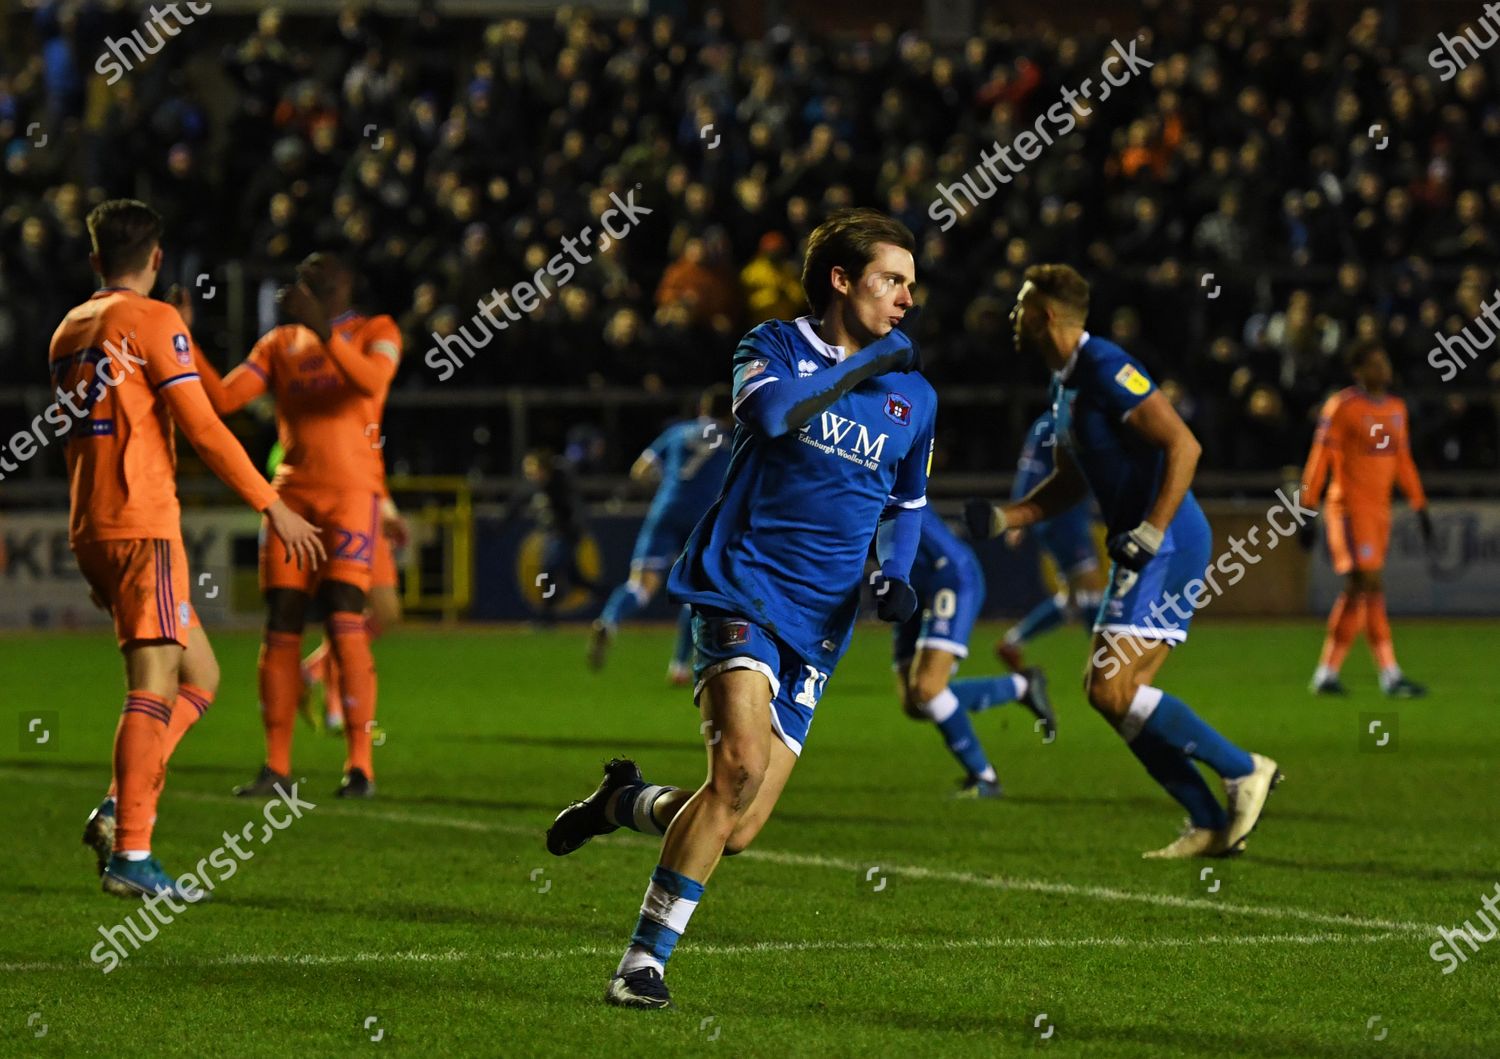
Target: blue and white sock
<point x="669" y="904"/>
<point x="631" y="807"/>
<point x="1086" y="606"/>
<point x="958" y="733"/>
<point x="624" y="603"/>
<point x="1173" y="722"/>
<point x="984" y="693"/>
<point x="682" y="654"/>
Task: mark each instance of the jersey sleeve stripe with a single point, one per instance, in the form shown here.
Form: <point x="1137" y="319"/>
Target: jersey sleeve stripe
<point x="751" y="388"/>
<point x="910" y="505"/>
<point x="386" y="348"/>
<point x="175" y="379"/>
<point x="257" y="369"/>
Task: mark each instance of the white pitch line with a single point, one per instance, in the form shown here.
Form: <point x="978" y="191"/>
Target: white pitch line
<point x="812" y="860"/>
<point x="754" y="948"/>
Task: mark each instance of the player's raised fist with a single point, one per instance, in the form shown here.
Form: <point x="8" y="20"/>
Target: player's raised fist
<point x="895" y="600"/>
<point x="983" y="518"/>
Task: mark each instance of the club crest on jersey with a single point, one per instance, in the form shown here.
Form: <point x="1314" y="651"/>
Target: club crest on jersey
<point x="734" y="633"/>
<point x="181" y="347"/>
<point x="1133" y="381"/>
<point x="898" y="408"/>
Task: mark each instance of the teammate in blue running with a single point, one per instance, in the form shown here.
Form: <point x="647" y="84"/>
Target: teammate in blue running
<point x="689" y="459"/>
<point x="832" y="447"/>
<point x="927" y="647"/>
<point x="1068" y="538"/>
<point x="1120" y="438"/>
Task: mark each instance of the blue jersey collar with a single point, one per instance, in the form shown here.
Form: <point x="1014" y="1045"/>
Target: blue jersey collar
<point x="1067" y="369"/>
<point x="805" y="328"/>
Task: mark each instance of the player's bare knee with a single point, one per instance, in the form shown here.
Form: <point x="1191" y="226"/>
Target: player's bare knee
<point x="1109" y="695"/>
<point x="737" y="776"/>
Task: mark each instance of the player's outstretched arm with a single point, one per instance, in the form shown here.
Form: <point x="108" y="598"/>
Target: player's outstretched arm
<point x="1053" y="495"/>
<point x="226" y="395"/>
<point x="781" y="405"/>
<point x="219" y="449"/>
<point x="1158" y="423"/>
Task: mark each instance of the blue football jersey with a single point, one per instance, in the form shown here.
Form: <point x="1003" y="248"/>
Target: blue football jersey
<point x="942" y="559"/>
<point x="693" y="457"/>
<point x="784" y="545"/>
<point x="1091" y="396"/>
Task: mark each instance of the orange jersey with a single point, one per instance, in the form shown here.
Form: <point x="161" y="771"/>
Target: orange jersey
<point x="122" y="365"/>
<point x="1362" y="448"/>
<point x="330" y="398"/>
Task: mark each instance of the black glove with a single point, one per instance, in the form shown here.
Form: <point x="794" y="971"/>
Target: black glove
<point x="895" y="601"/>
<point x="1307" y="535"/>
<point x="1135" y="549"/>
<point x="1424" y="520"/>
<point x="908" y="327"/>
<point x="979" y="516"/>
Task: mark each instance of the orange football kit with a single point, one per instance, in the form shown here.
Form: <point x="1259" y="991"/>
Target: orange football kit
<point x="1361" y="449"/>
<point x="122" y="363"/>
<point x="329" y="403"/>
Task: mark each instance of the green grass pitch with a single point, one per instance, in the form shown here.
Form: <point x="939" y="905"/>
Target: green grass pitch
<point x="874" y="915"/>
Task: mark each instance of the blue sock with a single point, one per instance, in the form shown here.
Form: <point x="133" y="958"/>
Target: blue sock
<point x="982" y="693"/>
<point x="622" y="605"/>
<point x="958" y="734"/>
<point x="1175" y="723"/>
<point x="682" y="654"/>
<point x="1042" y="617"/>
<point x="1180" y="778"/>
<point x="669" y="904"/>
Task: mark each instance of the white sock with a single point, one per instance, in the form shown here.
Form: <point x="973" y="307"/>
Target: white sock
<point x="135" y="854"/>
<point x="1389" y="676"/>
<point x="988" y="775"/>
<point x="1022" y="683"/>
<point x="636" y="957"/>
<point x="1323" y="674"/>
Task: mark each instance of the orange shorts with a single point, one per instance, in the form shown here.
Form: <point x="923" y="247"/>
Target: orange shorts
<point x="1357" y="538"/>
<point x="383" y="572"/>
<point x="350" y="521"/>
<point x="144" y="585"/>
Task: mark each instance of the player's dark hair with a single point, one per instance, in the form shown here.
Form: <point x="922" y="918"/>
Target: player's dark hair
<point x="1360" y="350"/>
<point x="124" y="232"/>
<point x="716" y="402"/>
<point x="1062" y="284"/>
<point x="847" y="239"/>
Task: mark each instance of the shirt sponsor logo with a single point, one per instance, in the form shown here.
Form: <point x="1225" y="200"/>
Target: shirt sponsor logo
<point x="836" y="430"/>
<point x="1133" y="381"/>
<point x="898" y="409"/>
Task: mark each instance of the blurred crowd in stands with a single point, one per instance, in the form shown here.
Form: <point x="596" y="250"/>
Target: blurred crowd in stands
<point x="1323" y="174"/>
